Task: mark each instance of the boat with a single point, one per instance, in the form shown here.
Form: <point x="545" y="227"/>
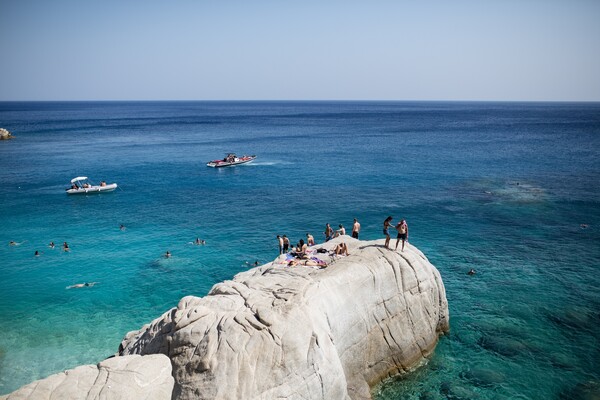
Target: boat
<point x="81" y="185"/>
<point x="229" y="160"/>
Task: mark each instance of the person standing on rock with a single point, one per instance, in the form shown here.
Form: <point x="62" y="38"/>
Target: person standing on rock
<point x="286" y="244"/>
<point x="328" y="232"/>
<point x="386" y="226"/>
<point x="402" y="229"/>
<point x="280" y="241"/>
<point x="355" y="229"/>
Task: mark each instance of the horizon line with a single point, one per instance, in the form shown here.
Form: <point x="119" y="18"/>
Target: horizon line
<point x="295" y="100"/>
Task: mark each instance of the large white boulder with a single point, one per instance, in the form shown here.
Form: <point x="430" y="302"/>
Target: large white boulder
<point x="280" y="332"/>
<point x="126" y="378"/>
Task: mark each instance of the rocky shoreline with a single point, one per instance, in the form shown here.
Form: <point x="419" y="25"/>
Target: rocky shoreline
<point x="277" y="331"/>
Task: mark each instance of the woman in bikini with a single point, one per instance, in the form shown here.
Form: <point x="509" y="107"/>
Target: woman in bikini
<point x="301" y="249"/>
<point x="386" y="226"/>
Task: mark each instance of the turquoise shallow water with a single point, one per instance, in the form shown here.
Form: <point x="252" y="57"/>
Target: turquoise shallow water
<point x="499" y="187"/>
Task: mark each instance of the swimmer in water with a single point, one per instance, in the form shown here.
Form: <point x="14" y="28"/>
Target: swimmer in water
<point x="37" y="253"/>
<point x="66" y="246"/>
<point x="168" y="254"/>
<point x="471" y="272"/>
<point x="51" y="245"/>
<point x="13" y="243"/>
<point x="122" y="227"/>
<point x="82" y="285"/>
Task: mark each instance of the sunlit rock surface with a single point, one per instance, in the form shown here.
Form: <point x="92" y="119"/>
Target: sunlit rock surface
<point x="127" y="378"/>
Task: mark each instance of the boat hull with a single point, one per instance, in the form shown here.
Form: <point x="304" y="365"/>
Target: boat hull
<point x="221" y="163"/>
<point x="94" y="189"/>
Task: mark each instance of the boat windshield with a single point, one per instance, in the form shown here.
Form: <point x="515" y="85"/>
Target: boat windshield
<point x="80" y="182"/>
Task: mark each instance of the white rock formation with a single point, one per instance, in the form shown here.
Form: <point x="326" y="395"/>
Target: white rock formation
<point x="130" y="377"/>
<point x="279" y="332"/>
<point x="4" y="134"/>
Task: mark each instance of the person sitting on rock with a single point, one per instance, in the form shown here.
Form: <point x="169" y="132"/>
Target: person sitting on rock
<point x="341" y="231"/>
<point x="301" y="249"/>
<point x="341" y="250"/>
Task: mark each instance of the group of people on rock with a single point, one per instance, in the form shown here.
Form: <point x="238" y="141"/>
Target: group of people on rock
<point x="402" y="229"/>
<point x="341" y="231"/>
<point x="329" y="233"/>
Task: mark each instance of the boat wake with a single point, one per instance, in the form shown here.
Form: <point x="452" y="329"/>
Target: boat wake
<point x="268" y="163"/>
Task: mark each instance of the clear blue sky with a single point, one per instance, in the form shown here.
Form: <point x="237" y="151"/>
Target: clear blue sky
<point x="245" y="50"/>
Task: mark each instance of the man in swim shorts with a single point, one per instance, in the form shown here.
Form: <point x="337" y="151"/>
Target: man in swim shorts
<point x="328" y="232"/>
<point x="402" y="229"/>
<point x="286" y="244"/>
<point x="355" y="229"/>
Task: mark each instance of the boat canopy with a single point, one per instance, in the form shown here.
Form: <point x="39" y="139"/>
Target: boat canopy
<point x="79" y="178"/>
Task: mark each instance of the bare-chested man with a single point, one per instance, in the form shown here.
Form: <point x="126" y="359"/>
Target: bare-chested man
<point x="286" y="244"/>
<point x="402" y="229"/>
<point x="355" y="229"/>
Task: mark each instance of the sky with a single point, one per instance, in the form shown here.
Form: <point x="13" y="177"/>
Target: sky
<point x="507" y="50"/>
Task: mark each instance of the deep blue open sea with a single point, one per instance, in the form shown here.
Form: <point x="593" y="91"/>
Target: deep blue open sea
<point x="509" y="189"/>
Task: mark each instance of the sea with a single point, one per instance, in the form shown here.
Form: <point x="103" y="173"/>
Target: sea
<point x="510" y="190"/>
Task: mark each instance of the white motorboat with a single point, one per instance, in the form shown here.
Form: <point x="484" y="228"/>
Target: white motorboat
<point x="81" y="185"/>
<point x="229" y="160"/>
